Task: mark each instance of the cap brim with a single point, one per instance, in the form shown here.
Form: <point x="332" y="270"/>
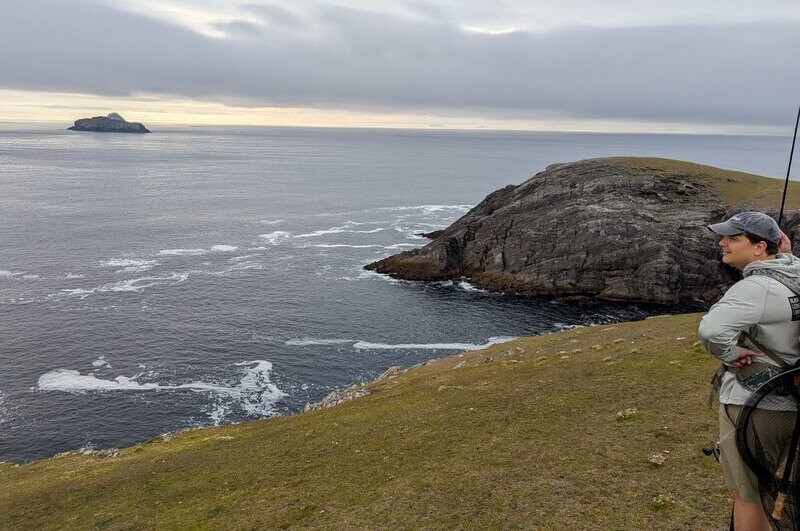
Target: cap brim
<point x="725" y="229"/>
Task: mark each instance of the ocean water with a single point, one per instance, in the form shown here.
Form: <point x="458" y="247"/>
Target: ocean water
<point x="198" y="276"/>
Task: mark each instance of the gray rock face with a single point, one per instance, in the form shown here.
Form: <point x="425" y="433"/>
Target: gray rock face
<point x="113" y="123"/>
<point x="595" y="228"/>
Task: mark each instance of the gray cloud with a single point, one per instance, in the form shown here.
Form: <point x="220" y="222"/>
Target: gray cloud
<point x="346" y="58"/>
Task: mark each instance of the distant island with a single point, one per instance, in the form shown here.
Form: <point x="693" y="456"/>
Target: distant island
<point x="113" y="123"/>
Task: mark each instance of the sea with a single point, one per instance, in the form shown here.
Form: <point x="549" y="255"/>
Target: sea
<point x="200" y="276"/>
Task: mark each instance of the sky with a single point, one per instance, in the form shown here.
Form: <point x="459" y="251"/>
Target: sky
<point x="716" y="66"/>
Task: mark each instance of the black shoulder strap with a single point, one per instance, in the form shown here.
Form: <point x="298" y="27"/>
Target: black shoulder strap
<point x="790" y="282"/>
<point x="769" y="352"/>
<point x="793" y="285"/>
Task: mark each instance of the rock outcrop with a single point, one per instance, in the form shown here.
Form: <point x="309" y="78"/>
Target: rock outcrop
<point x="615" y="229"/>
<point x="113" y="123"/>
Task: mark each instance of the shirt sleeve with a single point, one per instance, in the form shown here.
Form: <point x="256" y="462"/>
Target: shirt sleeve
<point x="740" y="308"/>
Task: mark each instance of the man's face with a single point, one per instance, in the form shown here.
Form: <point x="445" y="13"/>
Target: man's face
<point x="738" y="251"/>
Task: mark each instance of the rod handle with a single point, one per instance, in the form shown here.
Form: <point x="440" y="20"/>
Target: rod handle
<point x="777" y="512"/>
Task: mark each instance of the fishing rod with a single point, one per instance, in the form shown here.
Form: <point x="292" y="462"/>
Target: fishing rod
<point x="789" y="169"/>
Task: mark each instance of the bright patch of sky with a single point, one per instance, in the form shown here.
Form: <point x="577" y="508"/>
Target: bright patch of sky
<point x="723" y="65"/>
<point x="485" y="16"/>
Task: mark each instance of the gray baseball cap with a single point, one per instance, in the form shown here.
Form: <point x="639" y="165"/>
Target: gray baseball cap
<point x="756" y="223"/>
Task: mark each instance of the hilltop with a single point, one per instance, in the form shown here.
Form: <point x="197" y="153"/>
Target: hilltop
<point x="563" y="431"/>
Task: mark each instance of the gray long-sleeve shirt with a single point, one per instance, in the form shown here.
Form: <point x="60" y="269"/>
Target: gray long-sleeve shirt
<point x="763" y="307"/>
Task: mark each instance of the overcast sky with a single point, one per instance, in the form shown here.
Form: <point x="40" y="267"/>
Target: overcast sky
<point x="726" y="65"/>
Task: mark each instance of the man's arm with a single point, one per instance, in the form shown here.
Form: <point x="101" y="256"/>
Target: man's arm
<point x="740" y="308"/>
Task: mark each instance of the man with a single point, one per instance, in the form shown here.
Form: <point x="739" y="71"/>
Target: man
<point x="765" y="308"/>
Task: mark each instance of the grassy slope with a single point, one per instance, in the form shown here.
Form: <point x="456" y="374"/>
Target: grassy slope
<point x="737" y="188"/>
<point x="526" y="435"/>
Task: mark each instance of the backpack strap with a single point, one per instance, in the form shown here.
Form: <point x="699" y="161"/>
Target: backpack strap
<point x="769" y="352"/>
<point x="793" y="284"/>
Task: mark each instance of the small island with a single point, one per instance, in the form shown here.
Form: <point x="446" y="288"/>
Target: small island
<point x="113" y="123"/>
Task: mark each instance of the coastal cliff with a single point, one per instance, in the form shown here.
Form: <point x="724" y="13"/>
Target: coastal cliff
<point x="113" y="123"/>
<point x="614" y="228"/>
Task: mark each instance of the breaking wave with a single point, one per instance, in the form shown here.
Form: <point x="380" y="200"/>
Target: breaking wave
<point x="255" y="394"/>
<point x="274" y="238"/>
<point x="182" y="252"/>
<point x="131" y="285"/>
<point x="130" y="265"/>
<point x="365" y="345"/>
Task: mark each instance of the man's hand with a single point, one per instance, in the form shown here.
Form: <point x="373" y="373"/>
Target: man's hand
<point x="785" y="245"/>
<point x="746" y="357"/>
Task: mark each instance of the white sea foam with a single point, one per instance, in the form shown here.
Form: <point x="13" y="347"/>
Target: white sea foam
<point x="365" y="345"/>
<point x="342" y="245"/>
<point x="306" y="341"/>
<point x="340" y="230"/>
<point x="130" y="265"/>
<point x="236" y="266"/>
<point x="5" y="274"/>
<point x="71" y="276"/>
<point x="132" y="285"/>
<point x="369" y="246"/>
<point x="224" y="248"/>
<point x="365" y="274"/>
<point x="424" y="208"/>
<point x="72" y="381"/>
<point x="460" y="284"/>
<point x="466" y="286"/>
<point x="400" y="245"/>
<point x="243" y="257"/>
<point x="564" y="326"/>
<point x="254" y="394"/>
<point x="274" y="238"/>
<point x="5" y="409"/>
<point x="30" y="277"/>
<point x="182" y="252"/>
<point x="560" y="327"/>
<point x="127" y="262"/>
<point x="272" y="221"/>
<point x="101" y="362"/>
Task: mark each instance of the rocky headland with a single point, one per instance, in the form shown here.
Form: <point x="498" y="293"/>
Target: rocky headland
<point x="614" y="228"/>
<point x="112" y="123"/>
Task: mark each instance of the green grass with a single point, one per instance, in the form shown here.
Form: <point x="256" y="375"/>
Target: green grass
<point x="531" y="434"/>
<point x="737" y="188"/>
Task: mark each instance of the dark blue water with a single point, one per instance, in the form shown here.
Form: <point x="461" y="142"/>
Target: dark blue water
<point x="208" y="275"/>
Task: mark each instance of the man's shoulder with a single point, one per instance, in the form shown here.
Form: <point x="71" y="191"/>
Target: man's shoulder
<point x="749" y="285"/>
